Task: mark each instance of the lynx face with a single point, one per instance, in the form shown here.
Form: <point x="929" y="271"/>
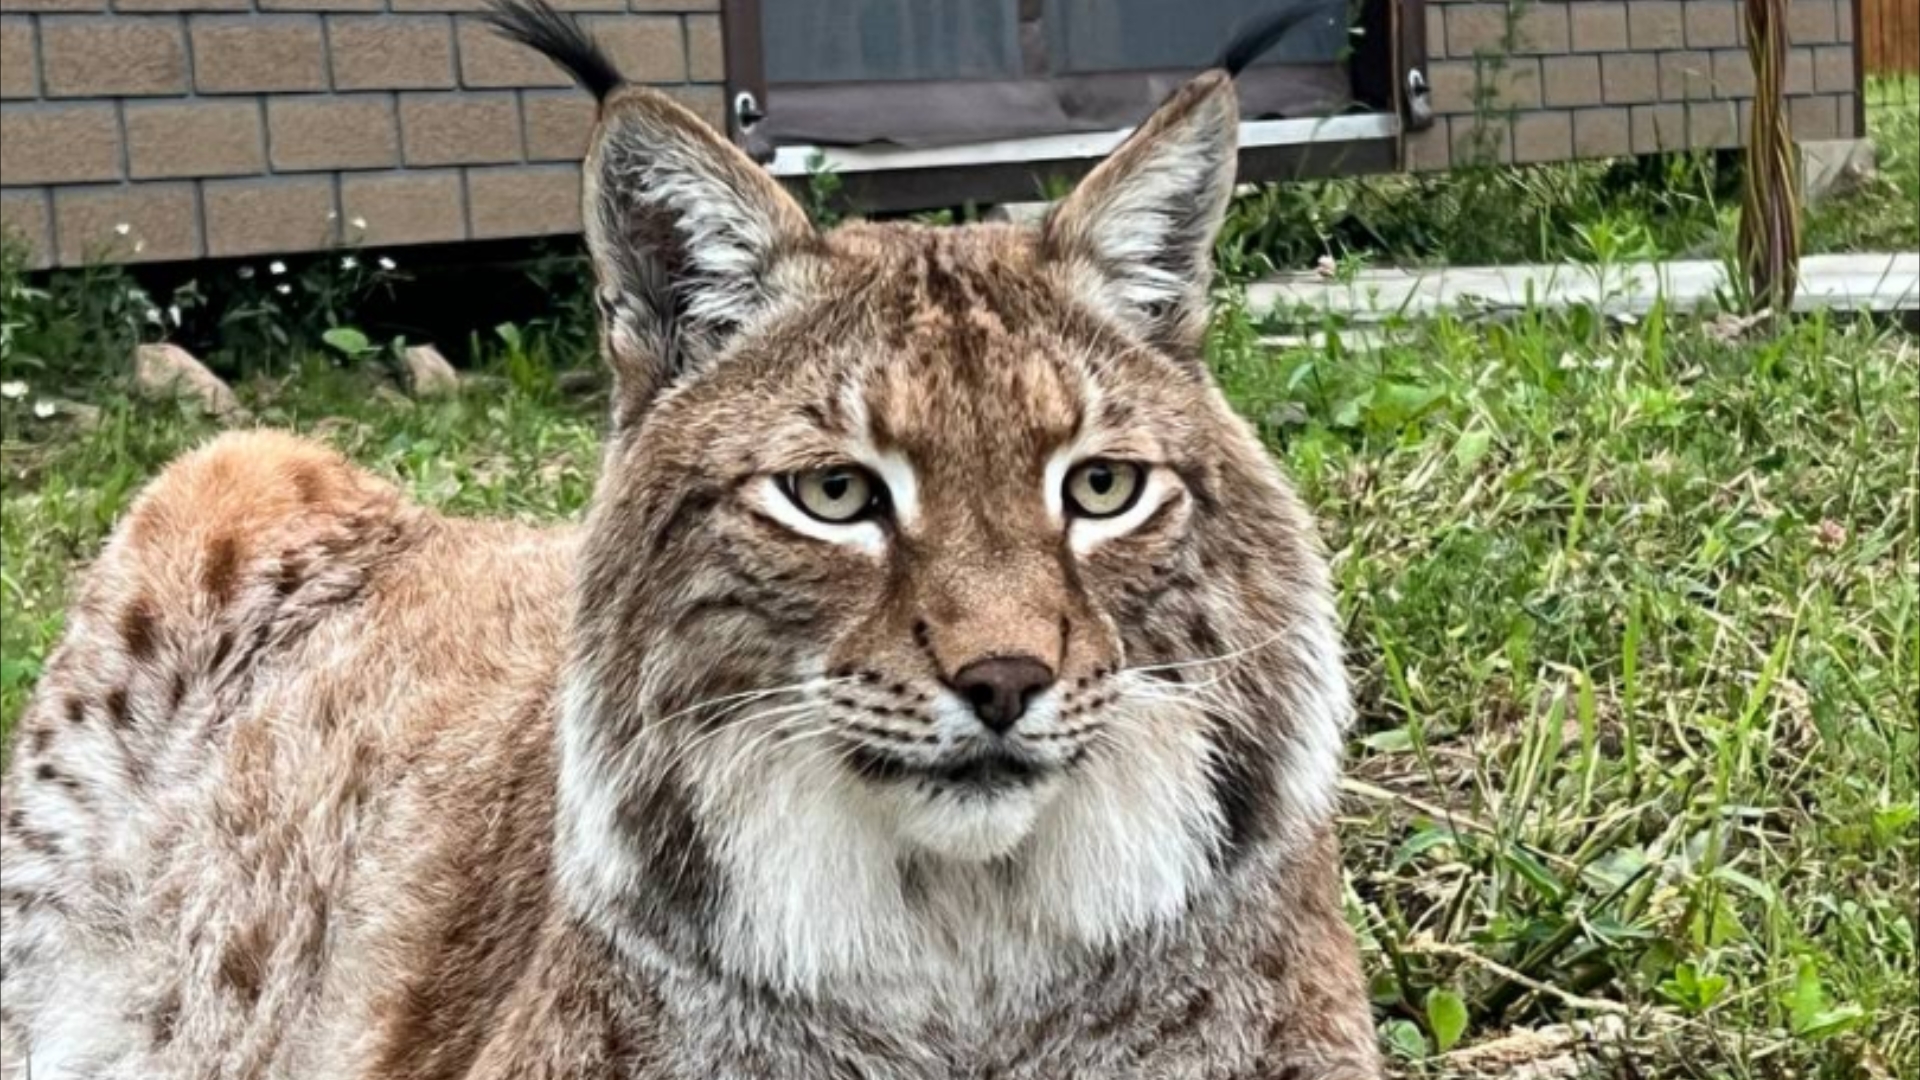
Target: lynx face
<point x="930" y="497"/>
<point x="932" y="591"/>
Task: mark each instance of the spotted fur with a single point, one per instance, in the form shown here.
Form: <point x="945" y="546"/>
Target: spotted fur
<point x="323" y="785"/>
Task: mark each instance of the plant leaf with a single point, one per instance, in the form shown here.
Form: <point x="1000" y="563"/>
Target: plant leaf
<point x="1447" y="1016"/>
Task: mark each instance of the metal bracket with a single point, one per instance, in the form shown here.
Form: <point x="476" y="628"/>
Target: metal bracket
<point x="747" y="111"/>
<point x="1419" y="101"/>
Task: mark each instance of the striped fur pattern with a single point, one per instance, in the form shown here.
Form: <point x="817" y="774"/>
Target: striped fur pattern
<point x="323" y="785"/>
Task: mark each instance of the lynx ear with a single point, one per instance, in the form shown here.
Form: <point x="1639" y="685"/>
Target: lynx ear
<point x="1137" y="234"/>
<point x="684" y="229"/>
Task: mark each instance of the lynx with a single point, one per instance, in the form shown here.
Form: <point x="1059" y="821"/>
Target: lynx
<point x="943" y="684"/>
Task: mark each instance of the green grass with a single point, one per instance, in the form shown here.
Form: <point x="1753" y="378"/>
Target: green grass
<point x="1633" y="616"/>
<point x="1637" y="629"/>
<point x="1634" y="612"/>
<point x="1671" y="206"/>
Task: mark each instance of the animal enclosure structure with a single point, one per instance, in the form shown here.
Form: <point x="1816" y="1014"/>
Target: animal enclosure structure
<point x="164" y="130"/>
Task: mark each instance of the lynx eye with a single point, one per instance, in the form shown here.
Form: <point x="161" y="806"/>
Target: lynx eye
<point x="1102" y="488"/>
<point x="837" y="494"/>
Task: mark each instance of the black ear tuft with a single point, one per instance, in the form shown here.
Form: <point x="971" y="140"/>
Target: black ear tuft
<point x="1252" y="38"/>
<point x="535" y="24"/>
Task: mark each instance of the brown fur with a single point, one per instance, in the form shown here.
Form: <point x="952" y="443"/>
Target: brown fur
<point x="320" y="784"/>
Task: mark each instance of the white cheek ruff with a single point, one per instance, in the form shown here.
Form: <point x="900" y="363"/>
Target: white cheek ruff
<point x="864" y="536"/>
<point x="1085" y="534"/>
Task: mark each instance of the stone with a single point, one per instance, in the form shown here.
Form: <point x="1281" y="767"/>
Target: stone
<point x="1831" y="167"/>
<point x="169" y="371"/>
<point x="428" y="373"/>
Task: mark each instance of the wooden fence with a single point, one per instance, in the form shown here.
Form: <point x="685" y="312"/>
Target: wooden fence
<point x="1890" y="36"/>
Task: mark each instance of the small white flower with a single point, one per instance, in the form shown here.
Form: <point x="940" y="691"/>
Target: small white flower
<point x="13" y="389"/>
<point x="173" y="312"/>
<point x="123" y="228"/>
<point x="153" y="316"/>
<point x="139" y="246"/>
<point x="283" y="290"/>
<point x="349" y="263"/>
<point x="386" y="263"/>
<point x="276" y="267"/>
<point x="45" y="409"/>
<point x="245" y="273"/>
<point x="333" y="215"/>
<point x="358" y="223"/>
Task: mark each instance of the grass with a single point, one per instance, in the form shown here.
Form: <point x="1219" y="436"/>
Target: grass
<point x="1633" y="610"/>
<point x="1666" y="207"/>
<point x="1633" y="613"/>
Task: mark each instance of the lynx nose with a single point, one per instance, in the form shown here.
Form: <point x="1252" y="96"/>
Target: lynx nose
<point x="999" y="688"/>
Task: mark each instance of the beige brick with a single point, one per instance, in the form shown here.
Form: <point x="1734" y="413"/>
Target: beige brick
<point x="1799" y="71"/>
<point x="1629" y="78"/>
<point x="1465" y="86"/>
<point x="269" y="215"/>
<point x="1570" y="80"/>
<point x="1656" y="24"/>
<point x="1428" y="151"/>
<point x="322" y="5"/>
<point x="1476" y="29"/>
<point x="141" y="223"/>
<point x="112" y="57"/>
<point x="404" y="208"/>
<point x="55" y="144"/>
<point x="1480" y="140"/>
<point x="19" y="64"/>
<point x="1713" y="125"/>
<point x="709" y="103"/>
<point x="440" y="5"/>
<point x="1598" y="26"/>
<point x="1686" y="76"/>
<point x="355" y="131"/>
<point x="1732" y="73"/>
<point x="1833" y="69"/>
<point x="1812" y="22"/>
<point x="1843" y="22"/>
<point x="706" y="50"/>
<point x="1814" y="117"/>
<point x="1849" y="109"/>
<point x="527" y="201"/>
<point x="1658" y="128"/>
<point x="673" y="5"/>
<point x="11" y="6"/>
<point x="1452" y="85"/>
<point x="199" y="138"/>
<point x="489" y="60"/>
<point x="559" y="124"/>
<point x="26" y="221"/>
<point x="180" y="5"/>
<point x="1436" y="17"/>
<point x="1542" y="135"/>
<point x="590" y="5"/>
<point x="274" y="52"/>
<point x="646" y="48"/>
<point x="1713" y="24"/>
<point x="391" y="52"/>
<point x="460" y="129"/>
<point x="1602" y="133"/>
<point x="1541" y="28"/>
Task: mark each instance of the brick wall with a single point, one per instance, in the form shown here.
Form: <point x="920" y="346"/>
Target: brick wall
<point x="153" y="130"/>
<point x="179" y="129"/>
<point x="1540" y="81"/>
